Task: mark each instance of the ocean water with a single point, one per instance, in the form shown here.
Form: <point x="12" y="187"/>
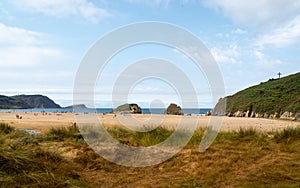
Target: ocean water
<point x="192" y="111"/>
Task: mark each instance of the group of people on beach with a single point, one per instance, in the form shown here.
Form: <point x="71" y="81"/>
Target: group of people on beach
<point x="18" y="116"/>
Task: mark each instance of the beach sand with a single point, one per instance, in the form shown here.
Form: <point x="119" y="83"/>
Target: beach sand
<point x="44" y="121"/>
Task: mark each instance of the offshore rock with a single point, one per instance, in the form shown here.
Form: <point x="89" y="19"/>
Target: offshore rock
<point x="173" y="109"/>
<point x="128" y="109"/>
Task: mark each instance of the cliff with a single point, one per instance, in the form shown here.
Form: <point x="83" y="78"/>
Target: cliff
<point x="276" y="98"/>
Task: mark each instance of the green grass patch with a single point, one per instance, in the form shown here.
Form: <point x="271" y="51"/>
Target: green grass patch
<point x="63" y="133"/>
<point x="134" y="138"/>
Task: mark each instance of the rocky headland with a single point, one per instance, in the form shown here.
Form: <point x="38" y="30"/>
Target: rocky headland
<point x="274" y="99"/>
<point x="26" y="102"/>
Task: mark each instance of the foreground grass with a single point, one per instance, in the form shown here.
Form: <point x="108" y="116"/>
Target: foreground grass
<point x="60" y="158"/>
<point x="24" y="163"/>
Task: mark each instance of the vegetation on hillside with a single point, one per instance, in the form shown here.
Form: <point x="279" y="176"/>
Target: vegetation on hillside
<point x="8" y="102"/>
<point x="273" y="96"/>
<point x="26" y="101"/>
<point x="60" y="158"/>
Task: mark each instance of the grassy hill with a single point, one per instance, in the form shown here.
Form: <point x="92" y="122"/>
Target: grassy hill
<point x="26" y="101"/>
<point x="273" y="96"/>
<point x="8" y="102"/>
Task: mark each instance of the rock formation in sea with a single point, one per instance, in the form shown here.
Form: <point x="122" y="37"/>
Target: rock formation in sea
<point x="81" y="106"/>
<point x="128" y="109"/>
<point x="174" y="109"/>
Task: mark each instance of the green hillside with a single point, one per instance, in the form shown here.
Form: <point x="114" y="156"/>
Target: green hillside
<point x="26" y="101"/>
<point x="274" y="96"/>
<point x="8" y="102"/>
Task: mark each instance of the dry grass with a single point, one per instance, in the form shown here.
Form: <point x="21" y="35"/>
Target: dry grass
<point x="244" y="158"/>
<point x="24" y="163"/>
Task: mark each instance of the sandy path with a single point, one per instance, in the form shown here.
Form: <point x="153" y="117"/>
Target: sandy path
<point x="43" y="122"/>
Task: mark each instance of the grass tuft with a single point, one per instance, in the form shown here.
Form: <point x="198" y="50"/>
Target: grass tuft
<point x="24" y="163"/>
<point x="249" y="132"/>
<point x="63" y="133"/>
<point x="5" y="128"/>
<point x="287" y="135"/>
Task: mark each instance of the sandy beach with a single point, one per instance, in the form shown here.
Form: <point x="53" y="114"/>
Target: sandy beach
<point x="44" y="121"/>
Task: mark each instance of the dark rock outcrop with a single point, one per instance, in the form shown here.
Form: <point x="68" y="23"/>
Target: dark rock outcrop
<point x="128" y="109"/>
<point x="208" y="113"/>
<point x="173" y="109"/>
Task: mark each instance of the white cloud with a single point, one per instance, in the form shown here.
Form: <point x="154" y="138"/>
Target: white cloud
<point x="259" y="54"/>
<point x="229" y="55"/>
<point x="276" y="22"/>
<point x="264" y="61"/>
<point x="239" y="31"/>
<point x="256" y="12"/>
<point x="15" y="35"/>
<point x="23" y="48"/>
<point x="282" y="36"/>
<point x="60" y="8"/>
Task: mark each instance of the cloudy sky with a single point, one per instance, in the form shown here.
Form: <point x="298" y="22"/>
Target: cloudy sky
<point x="42" y="44"/>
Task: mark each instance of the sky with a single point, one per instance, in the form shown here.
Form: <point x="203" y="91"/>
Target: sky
<point x="42" y="44"/>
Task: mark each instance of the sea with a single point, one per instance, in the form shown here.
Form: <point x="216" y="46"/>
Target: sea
<point x="186" y="111"/>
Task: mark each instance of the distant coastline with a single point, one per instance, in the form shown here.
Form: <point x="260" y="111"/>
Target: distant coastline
<point x="186" y="111"/>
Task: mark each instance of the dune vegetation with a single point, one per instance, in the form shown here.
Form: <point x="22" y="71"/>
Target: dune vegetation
<point x="61" y="158"/>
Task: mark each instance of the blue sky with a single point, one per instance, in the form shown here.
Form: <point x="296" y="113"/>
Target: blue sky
<point x="43" y="42"/>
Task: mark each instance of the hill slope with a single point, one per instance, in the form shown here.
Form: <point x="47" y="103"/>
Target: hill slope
<point x="274" y="97"/>
<point x="8" y="102"/>
<point x="26" y="101"/>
